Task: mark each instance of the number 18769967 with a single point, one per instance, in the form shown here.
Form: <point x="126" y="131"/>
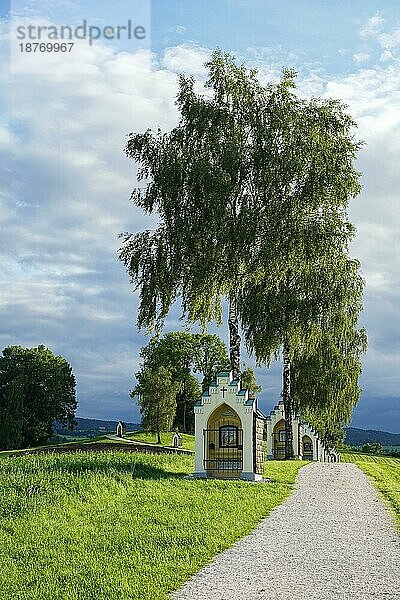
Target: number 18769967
<point x="46" y="46"/>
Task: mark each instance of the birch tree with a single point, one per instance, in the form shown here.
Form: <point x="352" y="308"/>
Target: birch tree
<point x="326" y="378"/>
<point x="250" y="187"/>
<point x="313" y="317"/>
<point x="156" y="392"/>
<point x="201" y="180"/>
<point x="308" y="182"/>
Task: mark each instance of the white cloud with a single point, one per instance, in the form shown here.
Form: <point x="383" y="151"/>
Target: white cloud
<point x="180" y="29"/>
<point x="388" y="41"/>
<point x="373" y="97"/>
<point x="6" y="137"/>
<point x="372" y="26"/>
<point x="188" y="59"/>
<point x="67" y="199"/>
<point x="386" y="55"/>
<point x="360" y="57"/>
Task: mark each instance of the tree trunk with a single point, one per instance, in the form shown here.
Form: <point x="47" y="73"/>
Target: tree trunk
<point x="287" y="401"/>
<point x="234" y="337"/>
<point x="158" y="424"/>
<point x="184" y="415"/>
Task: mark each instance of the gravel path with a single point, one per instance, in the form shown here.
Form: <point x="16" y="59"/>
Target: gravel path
<point x="331" y="540"/>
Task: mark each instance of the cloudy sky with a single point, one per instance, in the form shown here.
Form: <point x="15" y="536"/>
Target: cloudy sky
<point x="66" y="183"/>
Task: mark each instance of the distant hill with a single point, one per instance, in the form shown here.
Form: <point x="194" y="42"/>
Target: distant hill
<point x="358" y="437"/>
<point x="91" y="427"/>
<point x="95" y="427"/>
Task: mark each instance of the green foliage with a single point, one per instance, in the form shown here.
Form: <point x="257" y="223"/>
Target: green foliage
<point x="306" y="289"/>
<point x="175" y="352"/>
<point x="325" y="380"/>
<point x="390" y="449"/>
<point x="222" y="182"/>
<point x="210" y="356"/>
<point x="328" y="423"/>
<point x="117" y="526"/>
<point x="323" y="342"/>
<point x="188" y="394"/>
<point x="12" y="414"/>
<point x="156" y="393"/>
<point x="36" y="388"/>
<point x="200" y="180"/>
<point x="183" y="352"/>
<point x="249" y="381"/>
<point x="373" y="448"/>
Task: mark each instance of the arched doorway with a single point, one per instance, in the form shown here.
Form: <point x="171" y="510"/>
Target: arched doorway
<point x="223" y="441"/>
<point x="121" y="428"/>
<point x="279" y="438"/>
<point x="307" y="448"/>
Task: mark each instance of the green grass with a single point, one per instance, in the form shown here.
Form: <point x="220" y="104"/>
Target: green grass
<point x="166" y="438"/>
<point x="111" y="526"/>
<point x="384" y="472"/>
<point x="139" y="436"/>
<point x="369" y="458"/>
<point x="102" y="439"/>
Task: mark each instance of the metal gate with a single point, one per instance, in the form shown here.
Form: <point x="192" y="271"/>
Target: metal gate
<point x="307" y="450"/>
<point x="223" y="448"/>
<point x="279" y="446"/>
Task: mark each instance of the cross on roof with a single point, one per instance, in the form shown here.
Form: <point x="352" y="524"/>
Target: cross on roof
<point x="223" y="390"/>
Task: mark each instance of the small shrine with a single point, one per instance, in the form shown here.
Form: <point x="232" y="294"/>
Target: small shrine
<point x="229" y="432"/>
<point x="176" y="440"/>
<point x="121" y="429"/>
<point x="307" y="445"/>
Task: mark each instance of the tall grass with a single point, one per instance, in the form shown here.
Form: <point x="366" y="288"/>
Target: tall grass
<point x="166" y="438"/>
<point x="111" y="526"/>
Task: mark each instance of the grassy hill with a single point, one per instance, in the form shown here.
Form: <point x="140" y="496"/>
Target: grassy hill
<point x="105" y="526"/>
<point x="166" y="438"/>
<point x="384" y="472"/>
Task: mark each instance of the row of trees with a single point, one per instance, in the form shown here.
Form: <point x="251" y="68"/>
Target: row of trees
<point x="167" y="387"/>
<point x="36" y="389"/>
<point x="252" y="190"/>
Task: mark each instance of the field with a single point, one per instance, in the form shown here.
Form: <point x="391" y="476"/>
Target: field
<point x="166" y="438"/>
<point x="110" y="526"/>
<point x="384" y="472"/>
